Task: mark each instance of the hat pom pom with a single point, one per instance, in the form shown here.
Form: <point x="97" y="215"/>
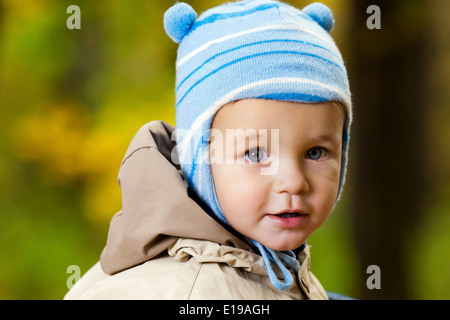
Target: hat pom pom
<point x="321" y="14"/>
<point x="178" y="19"/>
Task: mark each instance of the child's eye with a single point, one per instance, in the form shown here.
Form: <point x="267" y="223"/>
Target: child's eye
<point x="256" y="155"/>
<point x="316" y="153"/>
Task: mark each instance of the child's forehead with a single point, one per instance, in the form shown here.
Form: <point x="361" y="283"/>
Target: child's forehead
<point x="253" y="120"/>
<point x="260" y="113"/>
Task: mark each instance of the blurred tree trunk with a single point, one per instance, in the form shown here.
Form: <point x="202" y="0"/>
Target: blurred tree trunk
<point x="388" y="76"/>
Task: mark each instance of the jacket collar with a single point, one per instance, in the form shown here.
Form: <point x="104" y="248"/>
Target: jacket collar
<point x="156" y="207"/>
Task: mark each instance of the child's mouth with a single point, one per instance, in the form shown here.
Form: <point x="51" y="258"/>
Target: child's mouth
<point x="287" y="219"/>
<point x="288" y="215"/>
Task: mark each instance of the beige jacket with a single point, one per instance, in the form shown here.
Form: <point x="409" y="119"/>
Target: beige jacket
<point x="163" y="245"/>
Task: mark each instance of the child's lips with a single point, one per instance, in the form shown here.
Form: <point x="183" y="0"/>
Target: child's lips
<point x="288" y="219"/>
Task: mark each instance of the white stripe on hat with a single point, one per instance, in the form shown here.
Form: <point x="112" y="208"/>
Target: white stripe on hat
<point x="238" y="34"/>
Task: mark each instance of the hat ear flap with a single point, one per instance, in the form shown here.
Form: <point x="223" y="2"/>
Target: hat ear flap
<point x="178" y="19"/>
<point x="321" y="14"/>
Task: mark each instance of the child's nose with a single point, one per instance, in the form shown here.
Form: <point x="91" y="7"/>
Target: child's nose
<point x="291" y="178"/>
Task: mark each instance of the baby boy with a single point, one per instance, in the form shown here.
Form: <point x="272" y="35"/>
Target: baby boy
<point x="263" y="113"/>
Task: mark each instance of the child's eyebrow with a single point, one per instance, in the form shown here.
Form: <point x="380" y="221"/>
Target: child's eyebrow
<point x="248" y="135"/>
<point x="331" y="138"/>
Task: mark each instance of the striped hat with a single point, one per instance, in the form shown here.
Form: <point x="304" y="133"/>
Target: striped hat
<point x="249" y="49"/>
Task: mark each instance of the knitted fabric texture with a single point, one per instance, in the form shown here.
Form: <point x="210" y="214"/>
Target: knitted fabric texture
<point x="259" y="49"/>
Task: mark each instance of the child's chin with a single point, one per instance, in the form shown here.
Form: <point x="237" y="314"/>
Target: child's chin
<point x="285" y="245"/>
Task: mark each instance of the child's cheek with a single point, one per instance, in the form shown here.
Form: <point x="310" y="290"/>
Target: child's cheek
<point x="326" y="195"/>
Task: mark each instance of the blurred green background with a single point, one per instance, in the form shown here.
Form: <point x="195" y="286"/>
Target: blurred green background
<point x="71" y="101"/>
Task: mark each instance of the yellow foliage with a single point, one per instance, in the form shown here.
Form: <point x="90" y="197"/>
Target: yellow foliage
<point x="70" y="146"/>
<point x="54" y="139"/>
<point x="61" y="141"/>
<point x="102" y="199"/>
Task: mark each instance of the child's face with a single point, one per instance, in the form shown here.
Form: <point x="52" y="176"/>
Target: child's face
<point x="304" y="165"/>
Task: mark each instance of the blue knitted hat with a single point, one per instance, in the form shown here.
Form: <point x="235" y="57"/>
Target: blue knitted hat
<point x="250" y="49"/>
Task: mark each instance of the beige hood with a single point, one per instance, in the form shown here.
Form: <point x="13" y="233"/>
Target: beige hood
<point x="156" y="208"/>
